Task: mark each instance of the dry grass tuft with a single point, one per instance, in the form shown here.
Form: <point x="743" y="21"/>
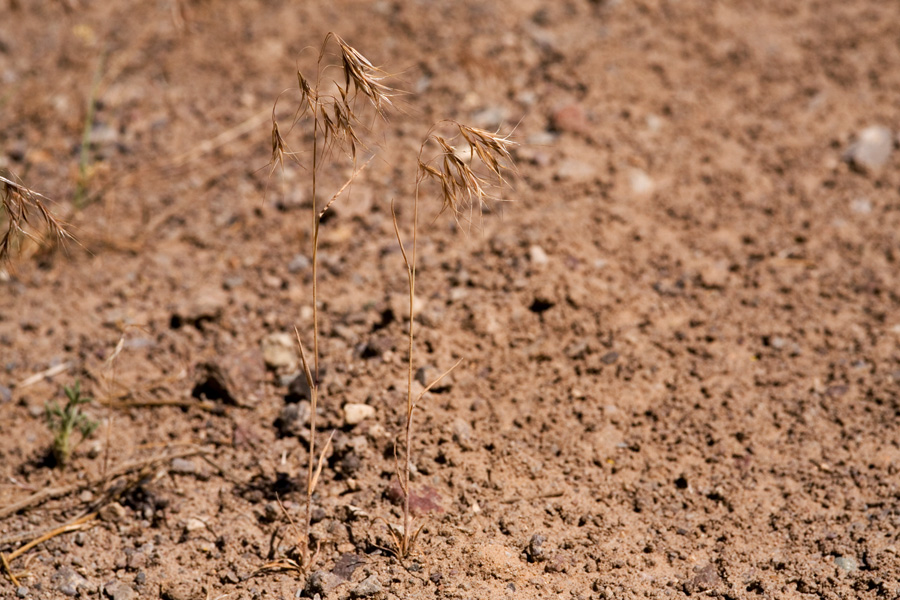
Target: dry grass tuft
<point x="22" y="206"/>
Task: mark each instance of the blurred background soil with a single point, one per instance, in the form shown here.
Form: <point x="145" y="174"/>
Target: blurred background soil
<point x="680" y="339"/>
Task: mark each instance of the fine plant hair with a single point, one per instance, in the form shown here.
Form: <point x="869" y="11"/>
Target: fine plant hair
<point x="24" y="210"/>
<point x="467" y="167"/>
<point x="334" y="120"/>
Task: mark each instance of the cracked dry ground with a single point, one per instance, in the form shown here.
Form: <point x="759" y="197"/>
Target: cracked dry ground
<point x="680" y="341"/>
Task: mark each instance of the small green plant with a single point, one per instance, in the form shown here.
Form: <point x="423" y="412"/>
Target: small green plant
<point x="84" y="153"/>
<point x="63" y="422"/>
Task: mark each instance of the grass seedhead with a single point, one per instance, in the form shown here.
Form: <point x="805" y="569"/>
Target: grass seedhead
<point x="278" y="145"/>
<point x="22" y="205"/>
<point x="466" y="175"/>
<point x="365" y="77"/>
<point x="64" y="421"/>
<point x="307" y="96"/>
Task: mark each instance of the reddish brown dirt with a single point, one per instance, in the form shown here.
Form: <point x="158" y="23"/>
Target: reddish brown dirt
<point x="680" y="342"/>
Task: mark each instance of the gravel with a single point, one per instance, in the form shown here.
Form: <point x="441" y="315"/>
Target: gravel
<point x="279" y="351"/>
<point x="366" y="588"/>
<point x="69" y="582"/>
<point x="354" y="414"/>
<point x="871" y="150"/>
<point x="535" y="549"/>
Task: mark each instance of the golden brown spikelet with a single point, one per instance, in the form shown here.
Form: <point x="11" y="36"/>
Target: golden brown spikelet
<point x="20" y="204"/>
<point x="466" y="181"/>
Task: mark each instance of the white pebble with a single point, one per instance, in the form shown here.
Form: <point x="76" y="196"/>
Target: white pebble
<point x="354" y="414"/>
<point x="538" y="256"/>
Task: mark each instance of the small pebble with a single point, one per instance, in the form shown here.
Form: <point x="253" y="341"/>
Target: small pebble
<point x="538" y="256"/>
<point x="298" y="389"/>
<point x="271" y="512"/>
<point x="183" y="466"/>
<point x="490" y="117"/>
<point x="279" y="351"/>
<point x="535" y="549"/>
<point x="542" y="138"/>
<point x="354" y="414"/>
<point x="319" y="583"/>
<point x="609" y="358"/>
<point x="846" y="563"/>
<point x="204" y="304"/>
<point x="350" y="464"/>
<point x="194" y="524"/>
<point x="272" y="281"/>
<point x="871" y="150"/>
<point x="68" y="581"/>
<point x="298" y="263"/>
<point x="21" y="592"/>
<point x="231" y="577"/>
<point x="641" y="183"/>
<point x="570" y="118"/>
<point x="233" y="282"/>
<point x="425" y="373"/>
<point x="399" y="304"/>
<point x="576" y="171"/>
<point x="462" y="434"/>
<point x="118" y="590"/>
<point x="5" y="394"/>
<point x="366" y="588"/>
<point x="293" y="419"/>
<point x="861" y="206"/>
<point x="113" y="513"/>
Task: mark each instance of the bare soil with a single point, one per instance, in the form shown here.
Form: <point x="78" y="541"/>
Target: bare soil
<point x="680" y="339"/>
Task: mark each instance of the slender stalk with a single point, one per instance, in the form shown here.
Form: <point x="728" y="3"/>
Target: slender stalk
<point x="315" y="249"/>
<point x="314" y="388"/>
<point x="411" y="274"/>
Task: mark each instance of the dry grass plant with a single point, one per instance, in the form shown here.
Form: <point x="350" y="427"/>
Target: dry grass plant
<point x="26" y="212"/>
<point x="468" y="165"/>
<point x="335" y="119"/>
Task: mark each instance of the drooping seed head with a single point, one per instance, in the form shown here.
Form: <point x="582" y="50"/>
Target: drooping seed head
<point x="19" y="202"/>
<point x="365" y="77"/>
<point x="467" y="177"/>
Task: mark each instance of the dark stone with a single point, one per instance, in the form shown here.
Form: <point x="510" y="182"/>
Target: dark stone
<point x="213" y="383"/>
<point x="535" y="549"/>
<point x="347" y="564"/>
